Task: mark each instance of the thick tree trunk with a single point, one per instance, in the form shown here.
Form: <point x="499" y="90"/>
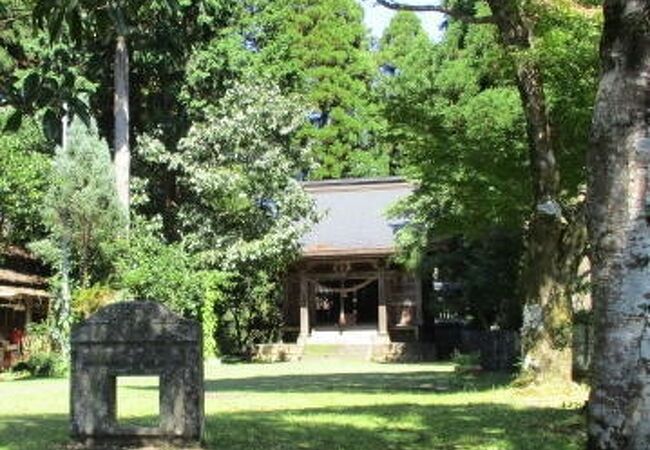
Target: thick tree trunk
<point x="121" y="111"/>
<point x="550" y="261"/>
<point x="619" y="227"/>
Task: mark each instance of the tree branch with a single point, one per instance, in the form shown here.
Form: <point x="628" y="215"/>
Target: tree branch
<point x="397" y="6"/>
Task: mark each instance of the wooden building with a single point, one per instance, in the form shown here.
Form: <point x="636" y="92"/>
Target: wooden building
<point x="23" y="299"/>
<point x="346" y="279"/>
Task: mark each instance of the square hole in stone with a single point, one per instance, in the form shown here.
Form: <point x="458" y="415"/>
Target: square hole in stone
<point x="137" y="401"/>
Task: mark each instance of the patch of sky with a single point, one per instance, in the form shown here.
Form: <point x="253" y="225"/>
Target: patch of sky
<point x="377" y="18"/>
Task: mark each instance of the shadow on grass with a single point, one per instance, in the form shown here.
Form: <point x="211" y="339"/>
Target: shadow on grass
<point x="47" y="431"/>
<point x="393" y="427"/>
<point x="361" y="383"/>
<point x="399" y="427"/>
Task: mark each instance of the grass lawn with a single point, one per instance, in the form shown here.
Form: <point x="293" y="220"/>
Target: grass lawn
<point x="329" y="405"/>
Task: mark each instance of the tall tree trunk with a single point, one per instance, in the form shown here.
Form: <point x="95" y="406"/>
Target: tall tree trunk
<point x="121" y="112"/>
<point x="63" y="305"/>
<point x="619" y="227"/>
<point x="549" y="263"/>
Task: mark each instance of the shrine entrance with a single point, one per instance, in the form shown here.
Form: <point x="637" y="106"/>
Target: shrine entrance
<point x="350" y="296"/>
<point x="346" y="303"/>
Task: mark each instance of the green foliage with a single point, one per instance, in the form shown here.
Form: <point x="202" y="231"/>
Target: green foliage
<point x="458" y="121"/>
<point x="472" y="173"/>
<point x="161" y="36"/>
<point x="327" y="41"/>
<point x="81" y="209"/>
<point x="403" y="60"/>
<point x="243" y="212"/>
<point x="37" y="77"/>
<point x="87" y="300"/>
<point x="82" y="17"/>
<point x="216" y="63"/>
<point x="318" y="49"/>
<point x="38" y="338"/>
<point x="150" y="269"/>
<point x="47" y="365"/>
<point x="243" y="205"/>
<point x="485" y="270"/>
<point x="566" y="45"/>
<point x="83" y="217"/>
<point x="24" y="176"/>
<point x="466" y="359"/>
<point x="213" y="282"/>
<point x="251" y="310"/>
<point x="490" y="280"/>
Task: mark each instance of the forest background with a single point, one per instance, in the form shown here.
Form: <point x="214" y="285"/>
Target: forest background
<point x="232" y="104"/>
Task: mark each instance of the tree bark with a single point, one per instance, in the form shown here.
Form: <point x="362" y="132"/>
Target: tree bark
<point x="619" y="231"/>
<point x="122" y="159"/>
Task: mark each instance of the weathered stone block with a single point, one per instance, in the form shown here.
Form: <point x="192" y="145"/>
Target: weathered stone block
<point x="136" y="338"/>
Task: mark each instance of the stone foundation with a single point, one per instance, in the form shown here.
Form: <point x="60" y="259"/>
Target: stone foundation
<point x="404" y="352"/>
<point x="388" y="352"/>
<point x="270" y="353"/>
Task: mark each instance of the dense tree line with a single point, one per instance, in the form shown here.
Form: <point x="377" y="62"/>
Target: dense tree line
<point x="507" y="89"/>
<point x="448" y="115"/>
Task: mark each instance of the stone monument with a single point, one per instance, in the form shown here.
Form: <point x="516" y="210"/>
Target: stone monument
<point x="136" y="338"/>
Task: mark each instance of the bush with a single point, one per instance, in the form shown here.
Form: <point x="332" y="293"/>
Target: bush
<point x="149" y="268"/>
<point x="38" y="338"/>
<point x="86" y="301"/>
<point x="44" y="365"/>
<point x="466" y="360"/>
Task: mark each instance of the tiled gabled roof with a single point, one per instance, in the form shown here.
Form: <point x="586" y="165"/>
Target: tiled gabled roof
<point x="354" y="221"/>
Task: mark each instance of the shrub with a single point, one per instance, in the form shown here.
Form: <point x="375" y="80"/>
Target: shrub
<point x="38" y="338"/>
<point x="86" y="301"/>
<point x="149" y="268"/>
<point x="44" y="365"/>
<point x="81" y="210"/>
<point x="465" y="360"/>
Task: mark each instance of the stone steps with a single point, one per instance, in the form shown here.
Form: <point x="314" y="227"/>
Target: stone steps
<point x="334" y="336"/>
<point x="333" y="351"/>
<point x="379" y="352"/>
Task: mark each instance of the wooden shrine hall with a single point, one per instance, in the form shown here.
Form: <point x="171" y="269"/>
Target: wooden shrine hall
<point x="345" y="279"/>
<point x="23" y="299"/>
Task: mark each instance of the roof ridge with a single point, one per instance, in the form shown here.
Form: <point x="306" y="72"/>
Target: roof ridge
<point x="355" y="181"/>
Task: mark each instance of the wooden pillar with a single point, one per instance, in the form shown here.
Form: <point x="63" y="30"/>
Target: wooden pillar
<point x="418" y="306"/>
<point x="418" y="300"/>
<point x="304" y="308"/>
<point x="342" y="306"/>
<point x="382" y="315"/>
<point x="311" y="306"/>
<point x="28" y="313"/>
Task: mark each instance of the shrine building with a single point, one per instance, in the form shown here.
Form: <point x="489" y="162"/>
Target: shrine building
<point x="346" y="281"/>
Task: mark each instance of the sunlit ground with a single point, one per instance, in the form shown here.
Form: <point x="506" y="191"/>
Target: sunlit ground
<point x="328" y="405"/>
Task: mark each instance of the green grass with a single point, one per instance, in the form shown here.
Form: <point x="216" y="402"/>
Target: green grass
<point x="330" y="405"/>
